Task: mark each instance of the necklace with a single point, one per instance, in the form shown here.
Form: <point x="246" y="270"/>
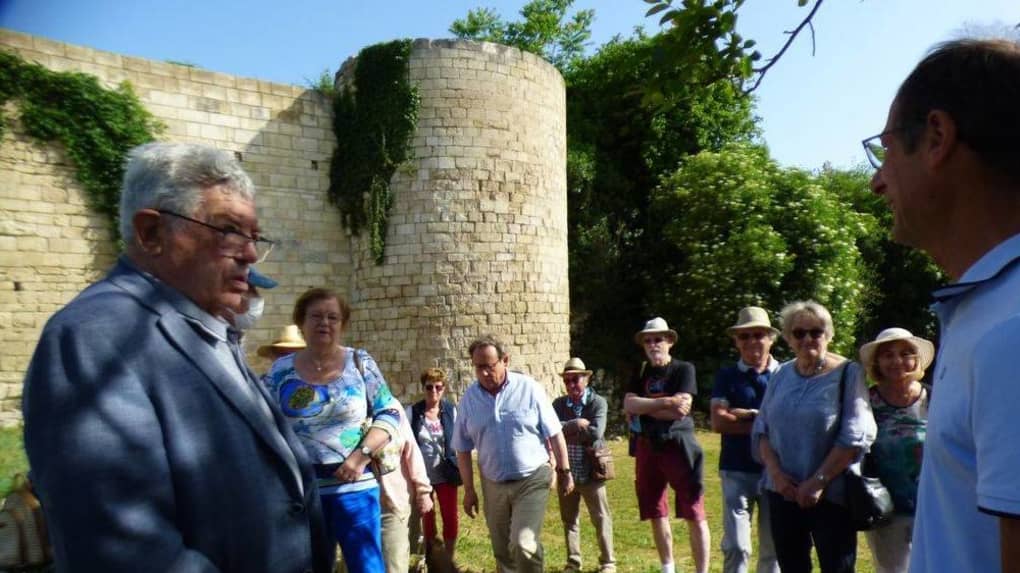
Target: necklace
<point x="819" y="366"/>
<point x="320" y="365"/>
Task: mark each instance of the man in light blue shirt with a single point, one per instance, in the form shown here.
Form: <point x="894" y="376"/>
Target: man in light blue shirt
<point x="508" y="418"/>
<point x="949" y="166"/>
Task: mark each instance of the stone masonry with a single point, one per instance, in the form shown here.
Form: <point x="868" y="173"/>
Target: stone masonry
<point x="476" y="240"/>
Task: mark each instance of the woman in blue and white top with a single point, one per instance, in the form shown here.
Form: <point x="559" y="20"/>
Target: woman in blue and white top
<point x="343" y="412"/>
<point x="805" y="441"/>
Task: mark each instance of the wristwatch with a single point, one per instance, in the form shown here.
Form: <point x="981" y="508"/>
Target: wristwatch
<point x="563" y="470"/>
<point x="366" y="451"/>
<point x="820" y="478"/>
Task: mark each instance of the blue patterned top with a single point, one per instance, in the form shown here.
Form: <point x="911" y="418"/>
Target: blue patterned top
<point x="899" y="447"/>
<point x="331" y="418"/>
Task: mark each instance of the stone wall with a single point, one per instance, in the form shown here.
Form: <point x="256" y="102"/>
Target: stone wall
<point x="51" y="245"/>
<point x="477" y="237"/>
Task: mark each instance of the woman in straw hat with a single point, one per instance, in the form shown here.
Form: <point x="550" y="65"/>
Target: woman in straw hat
<point x="896" y="361"/>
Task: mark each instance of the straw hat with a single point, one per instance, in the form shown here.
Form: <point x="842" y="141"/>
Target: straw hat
<point x="290" y="337"/>
<point x="925" y="349"/>
<point x="752" y="317"/>
<point x="656" y="325"/>
<point x="574" y="366"/>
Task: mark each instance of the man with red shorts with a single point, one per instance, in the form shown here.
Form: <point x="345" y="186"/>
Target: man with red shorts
<point x="666" y="450"/>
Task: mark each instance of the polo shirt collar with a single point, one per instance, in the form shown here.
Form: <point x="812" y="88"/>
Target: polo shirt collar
<point x="992" y="264"/>
<point x="771" y="367"/>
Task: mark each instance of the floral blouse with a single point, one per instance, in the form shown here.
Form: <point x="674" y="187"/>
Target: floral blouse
<point x="898" y="449"/>
<point x="331" y="419"/>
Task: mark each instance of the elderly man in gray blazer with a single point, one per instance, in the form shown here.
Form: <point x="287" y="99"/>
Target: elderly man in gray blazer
<point x="152" y="446"/>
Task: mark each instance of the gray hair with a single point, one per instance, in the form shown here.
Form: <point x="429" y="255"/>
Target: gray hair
<point x="488" y="340"/>
<point x="173" y="176"/>
<point x="794" y="309"/>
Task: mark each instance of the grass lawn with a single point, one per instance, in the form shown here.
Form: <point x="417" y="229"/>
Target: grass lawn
<point x="635" y="550"/>
<point x="633" y="540"/>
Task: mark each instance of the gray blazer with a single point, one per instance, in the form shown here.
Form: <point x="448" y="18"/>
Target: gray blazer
<point x="148" y="456"/>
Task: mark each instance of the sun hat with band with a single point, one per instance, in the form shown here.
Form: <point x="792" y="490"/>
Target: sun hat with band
<point x="289" y="339"/>
<point x="752" y="317"/>
<point x="656" y="325"/>
<point x="925" y="349"/>
<point x="575" y="366"/>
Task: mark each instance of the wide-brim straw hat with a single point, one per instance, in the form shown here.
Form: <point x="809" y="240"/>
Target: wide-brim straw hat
<point x="289" y="338"/>
<point x="752" y="317"/>
<point x="656" y="325"/>
<point x="575" y="366"/>
<point x="925" y="349"/>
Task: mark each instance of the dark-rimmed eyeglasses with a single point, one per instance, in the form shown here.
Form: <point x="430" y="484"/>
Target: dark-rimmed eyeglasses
<point x="570" y="379"/>
<point x="232" y="241"/>
<point x="653" y="339"/>
<point x="433" y="387"/>
<point x="815" y="333"/>
<point x="874" y="150"/>
<point x="745" y="336"/>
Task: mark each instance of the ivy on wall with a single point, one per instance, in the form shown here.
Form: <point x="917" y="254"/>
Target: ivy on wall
<point x="373" y="121"/>
<point x="96" y="126"/>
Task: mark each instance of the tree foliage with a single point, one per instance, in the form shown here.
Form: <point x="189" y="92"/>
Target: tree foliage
<point x="543" y="30"/>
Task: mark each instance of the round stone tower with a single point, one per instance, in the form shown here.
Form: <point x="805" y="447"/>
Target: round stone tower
<point x="477" y="235"/>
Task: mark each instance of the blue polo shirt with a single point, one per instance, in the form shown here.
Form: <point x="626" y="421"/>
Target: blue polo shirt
<point x="971" y="465"/>
<point x="509" y="430"/>
<point x="739" y="386"/>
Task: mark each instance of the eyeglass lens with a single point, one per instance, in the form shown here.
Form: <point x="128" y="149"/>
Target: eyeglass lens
<point x="750" y="335"/>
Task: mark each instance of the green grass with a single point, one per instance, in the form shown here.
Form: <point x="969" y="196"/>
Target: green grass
<point x="635" y="550"/>
<point x="12" y="457"/>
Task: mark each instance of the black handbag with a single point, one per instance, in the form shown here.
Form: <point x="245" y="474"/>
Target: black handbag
<point x="868" y="501"/>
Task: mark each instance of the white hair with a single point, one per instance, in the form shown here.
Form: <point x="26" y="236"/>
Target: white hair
<point x="173" y="176"/>
<point x="791" y="311"/>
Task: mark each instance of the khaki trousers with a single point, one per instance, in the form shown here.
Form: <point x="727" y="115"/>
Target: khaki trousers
<point x="594" y="495"/>
<point x="514" y="511"/>
<point x="395" y="542"/>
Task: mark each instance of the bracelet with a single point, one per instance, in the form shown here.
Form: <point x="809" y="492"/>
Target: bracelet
<point x="563" y="470"/>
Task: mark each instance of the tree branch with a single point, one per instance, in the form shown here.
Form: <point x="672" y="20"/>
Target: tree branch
<point x="789" y="41"/>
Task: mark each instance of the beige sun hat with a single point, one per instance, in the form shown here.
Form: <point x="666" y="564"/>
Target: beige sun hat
<point x="925" y="349"/>
<point x="656" y="325"/>
<point x="575" y="366"/>
<point x="752" y="317"/>
<point x="290" y="337"/>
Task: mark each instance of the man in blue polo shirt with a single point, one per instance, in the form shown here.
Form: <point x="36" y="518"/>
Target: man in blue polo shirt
<point x="509" y="419"/>
<point x="948" y="164"/>
<point x="736" y="396"/>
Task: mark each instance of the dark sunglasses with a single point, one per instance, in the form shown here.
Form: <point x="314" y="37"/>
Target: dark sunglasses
<point x="750" y="335"/>
<point x="654" y="339"/>
<point x="433" y="387"/>
<point x="800" y="333"/>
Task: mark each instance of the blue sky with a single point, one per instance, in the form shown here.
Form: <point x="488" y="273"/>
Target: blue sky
<point x="814" y="109"/>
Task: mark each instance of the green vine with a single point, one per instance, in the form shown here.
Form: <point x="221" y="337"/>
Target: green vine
<point x="96" y="126"/>
<point x="373" y="123"/>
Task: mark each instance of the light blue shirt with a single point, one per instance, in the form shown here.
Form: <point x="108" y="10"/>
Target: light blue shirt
<point x="509" y="430"/>
<point x="971" y="461"/>
<point x="798" y="415"/>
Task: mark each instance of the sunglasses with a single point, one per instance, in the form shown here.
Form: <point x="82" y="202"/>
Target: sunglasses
<point x="750" y="335"/>
<point x="433" y="387"/>
<point x="654" y="339"/>
<point x="800" y="333"/>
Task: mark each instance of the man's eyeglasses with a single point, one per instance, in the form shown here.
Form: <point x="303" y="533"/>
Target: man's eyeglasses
<point x="573" y="379"/>
<point x="749" y="335"/>
<point x="653" y="340"/>
<point x="232" y="241"/>
<point x="874" y="150"/>
<point x="433" y="387"/>
<point x="800" y="333"/>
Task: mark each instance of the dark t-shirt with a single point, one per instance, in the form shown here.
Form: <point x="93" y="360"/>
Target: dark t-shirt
<point x="740" y="389"/>
<point x="660" y="381"/>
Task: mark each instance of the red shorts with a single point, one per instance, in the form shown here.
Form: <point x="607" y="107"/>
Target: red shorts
<point x="655" y="467"/>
